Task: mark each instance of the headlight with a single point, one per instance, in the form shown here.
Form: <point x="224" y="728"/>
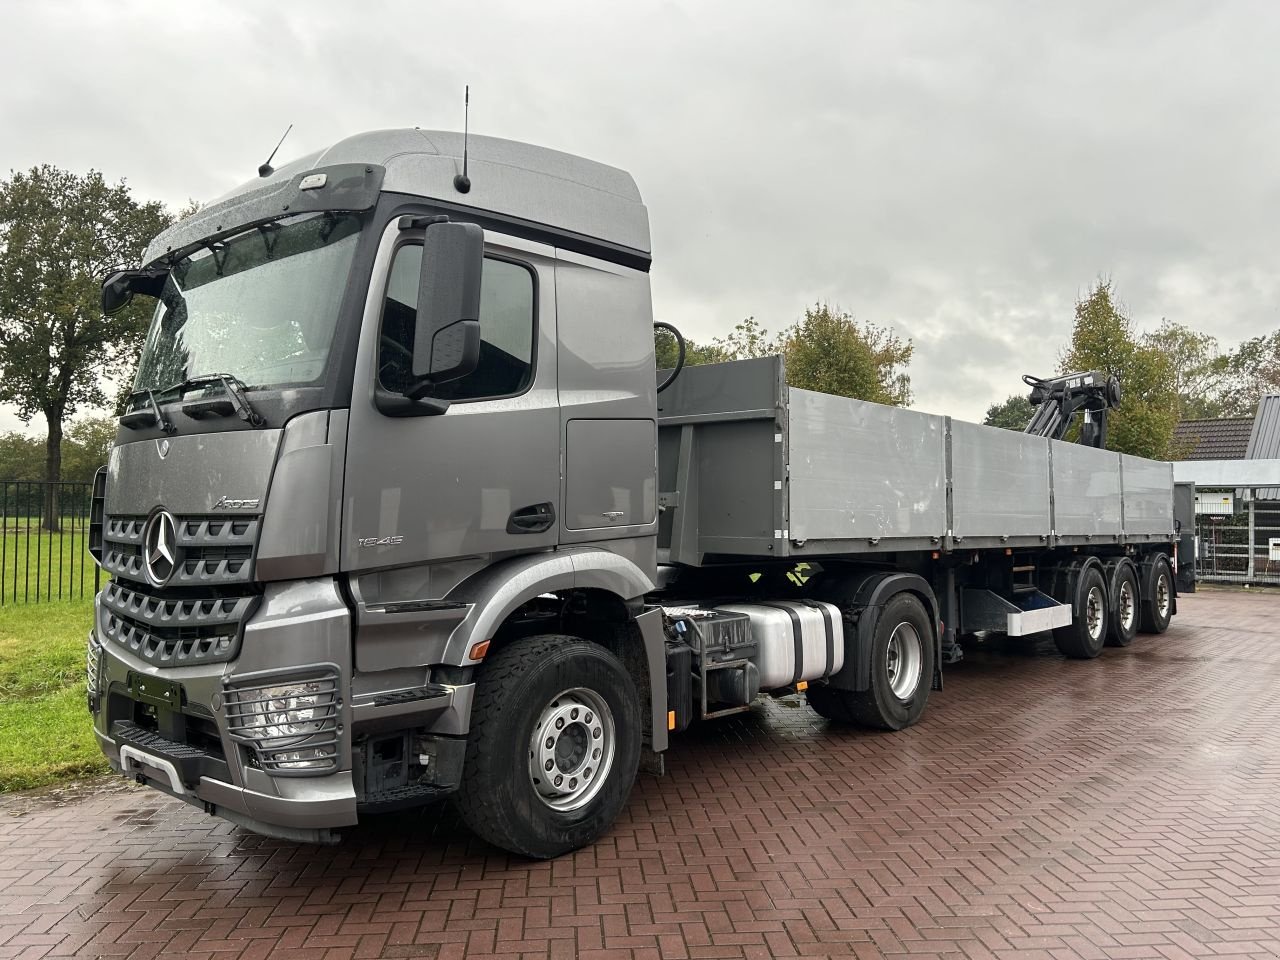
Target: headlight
<point x="289" y="726"/>
<point x="292" y="710"/>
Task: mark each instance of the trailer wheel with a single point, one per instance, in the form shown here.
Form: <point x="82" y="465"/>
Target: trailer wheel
<point x="1085" y="636"/>
<point x="1124" y="606"/>
<point x="902" y="661"/>
<point x="1157" y="596"/>
<point x="554" y="746"/>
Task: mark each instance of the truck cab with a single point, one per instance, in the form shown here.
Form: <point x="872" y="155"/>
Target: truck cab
<point x="380" y="428"/>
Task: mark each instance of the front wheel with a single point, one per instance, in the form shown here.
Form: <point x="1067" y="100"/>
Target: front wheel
<point x="554" y="746"/>
<point x="902" y="663"/>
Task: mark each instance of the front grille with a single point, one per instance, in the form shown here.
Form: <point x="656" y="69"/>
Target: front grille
<point x="212" y="550"/>
<point x="174" y="631"/>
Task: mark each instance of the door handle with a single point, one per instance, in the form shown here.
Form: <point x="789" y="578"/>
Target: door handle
<point x="534" y="519"/>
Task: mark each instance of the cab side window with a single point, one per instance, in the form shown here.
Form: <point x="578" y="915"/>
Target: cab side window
<point x="506" y="330"/>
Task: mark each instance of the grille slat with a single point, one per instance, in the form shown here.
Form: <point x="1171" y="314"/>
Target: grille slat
<point x="174" y="631"/>
<point x="213" y="550"/>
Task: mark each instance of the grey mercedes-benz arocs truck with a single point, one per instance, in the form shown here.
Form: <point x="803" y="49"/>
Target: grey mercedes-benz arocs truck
<point x="397" y="511"/>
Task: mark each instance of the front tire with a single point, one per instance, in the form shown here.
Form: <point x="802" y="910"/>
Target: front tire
<point x="554" y="746"/>
<point x="902" y="663"/>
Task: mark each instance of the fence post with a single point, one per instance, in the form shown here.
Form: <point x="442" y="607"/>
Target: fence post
<point x="1252" y="531"/>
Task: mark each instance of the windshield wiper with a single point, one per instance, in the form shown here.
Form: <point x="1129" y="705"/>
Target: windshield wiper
<point x="239" y="403"/>
<point x="140" y="418"/>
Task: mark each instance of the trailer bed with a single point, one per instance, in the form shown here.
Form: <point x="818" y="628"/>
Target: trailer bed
<point x="749" y="467"/>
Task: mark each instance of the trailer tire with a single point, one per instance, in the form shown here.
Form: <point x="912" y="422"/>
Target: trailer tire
<point x="902" y="663"/>
<point x="555" y="700"/>
<point x="1125" y="611"/>
<point x="1157" y="596"/>
<point x="1085" y="636"/>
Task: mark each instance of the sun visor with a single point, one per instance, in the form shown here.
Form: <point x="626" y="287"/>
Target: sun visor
<point x="343" y="187"/>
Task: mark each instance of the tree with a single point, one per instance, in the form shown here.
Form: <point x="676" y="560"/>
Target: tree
<point x="1102" y="339"/>
<point x="831" y="352"/>
<point x="87" y="444"/>
<point x="1198" y="369"/>
<point x="664" y="345"/>
<point x="1252" y="371"/>
<point x="59" y="235"/>
<point x="827" y="351"/>
<point x="1013" y="414"/>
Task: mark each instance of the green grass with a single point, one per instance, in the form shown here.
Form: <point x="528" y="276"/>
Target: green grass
<point x="45" y="730"/>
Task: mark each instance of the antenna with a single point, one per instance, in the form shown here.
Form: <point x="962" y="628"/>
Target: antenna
<point x="266" y="169"/>
<point x="461" y="182"/>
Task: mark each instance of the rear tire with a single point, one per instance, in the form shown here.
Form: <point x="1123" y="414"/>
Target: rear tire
<point x="1124" y="606"/>
<point x="1157" y="597"/>
<point x="902" y="665"/>
<point x="1085" y="636"/>
<point x="557" y="701"/>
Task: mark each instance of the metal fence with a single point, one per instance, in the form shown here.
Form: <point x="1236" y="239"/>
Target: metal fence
<point x="44" y="542"/>
<point x="1237" y="536"/>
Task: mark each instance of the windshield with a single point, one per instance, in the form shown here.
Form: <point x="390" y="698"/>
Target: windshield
<point x="261" y="306"/>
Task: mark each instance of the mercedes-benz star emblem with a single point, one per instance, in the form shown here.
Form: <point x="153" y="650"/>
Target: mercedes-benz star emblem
<point x="162" y="448"/>
<point x="160" y="547"/>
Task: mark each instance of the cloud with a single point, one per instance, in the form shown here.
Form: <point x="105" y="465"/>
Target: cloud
<point x="960" y="171"/>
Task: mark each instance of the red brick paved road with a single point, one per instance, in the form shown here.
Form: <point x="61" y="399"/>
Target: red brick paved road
<point x="1045" y="808"/>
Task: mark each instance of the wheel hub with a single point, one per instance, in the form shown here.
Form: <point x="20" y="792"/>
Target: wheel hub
<point x="1127" y="607"/>
<point x="1162" y="595"/>
<point x="1093" y="613"/>
<point x="571" y="749"/>
<point x="904" y="658"/>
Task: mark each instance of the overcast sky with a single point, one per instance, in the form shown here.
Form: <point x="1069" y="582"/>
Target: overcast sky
<point x="960" y="172"/>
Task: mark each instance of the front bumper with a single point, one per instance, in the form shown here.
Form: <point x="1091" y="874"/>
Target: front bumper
<point x="177" y="729"/>
<point x="188" y="750"/>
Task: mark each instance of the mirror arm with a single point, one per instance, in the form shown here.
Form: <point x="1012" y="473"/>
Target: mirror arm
<point x="421" y="223"/>
<point x="401" y="405"/>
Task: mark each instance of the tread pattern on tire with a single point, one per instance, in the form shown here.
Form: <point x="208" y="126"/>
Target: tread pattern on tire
<point x="479" y="803"/>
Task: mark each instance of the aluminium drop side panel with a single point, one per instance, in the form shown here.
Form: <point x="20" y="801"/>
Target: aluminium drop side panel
<point x="1000" y="485"/>
<point x="1086" y="492"/>
<point x="725" y="420"/>
<point x="1147" y="487"/>
<point x="863" y="474"/>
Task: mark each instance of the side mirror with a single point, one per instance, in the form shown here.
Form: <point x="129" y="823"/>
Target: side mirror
<point x="446" y="343"/>
<point x="119" y="288"/>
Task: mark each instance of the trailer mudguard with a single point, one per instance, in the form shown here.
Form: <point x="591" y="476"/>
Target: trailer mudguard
<point x="861" y="598"/>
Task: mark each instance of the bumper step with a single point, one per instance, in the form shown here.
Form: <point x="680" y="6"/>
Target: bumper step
<point x="191" y="762"/>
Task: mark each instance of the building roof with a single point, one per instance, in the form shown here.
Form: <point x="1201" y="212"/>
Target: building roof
<point x="1225" y="439"/>
<point x="1264" y="441"/>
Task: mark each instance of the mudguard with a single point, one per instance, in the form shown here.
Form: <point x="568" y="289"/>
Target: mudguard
<point x="861" y="600"/>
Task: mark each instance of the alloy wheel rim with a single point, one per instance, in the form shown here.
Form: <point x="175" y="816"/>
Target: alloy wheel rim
<point x="1094" y="617"/>
<point x="572" y="749"/>
<point x="905" y="659"/>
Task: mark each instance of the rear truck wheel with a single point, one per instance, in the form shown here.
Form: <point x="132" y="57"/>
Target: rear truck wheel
<point x="902" y="660"/>
<point x="1085" y="636"/>
<point x="1157" y="597"/>
<point x="1124" y="606"/>
<point x="554" y="746"/>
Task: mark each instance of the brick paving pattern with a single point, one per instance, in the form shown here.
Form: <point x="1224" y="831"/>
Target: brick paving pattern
<point x="1044" y="809"/>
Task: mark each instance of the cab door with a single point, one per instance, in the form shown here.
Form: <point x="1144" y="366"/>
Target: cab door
<point x="483" y="477"/>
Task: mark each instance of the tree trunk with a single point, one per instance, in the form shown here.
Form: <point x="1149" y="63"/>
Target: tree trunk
<point x="52" y="473"/>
